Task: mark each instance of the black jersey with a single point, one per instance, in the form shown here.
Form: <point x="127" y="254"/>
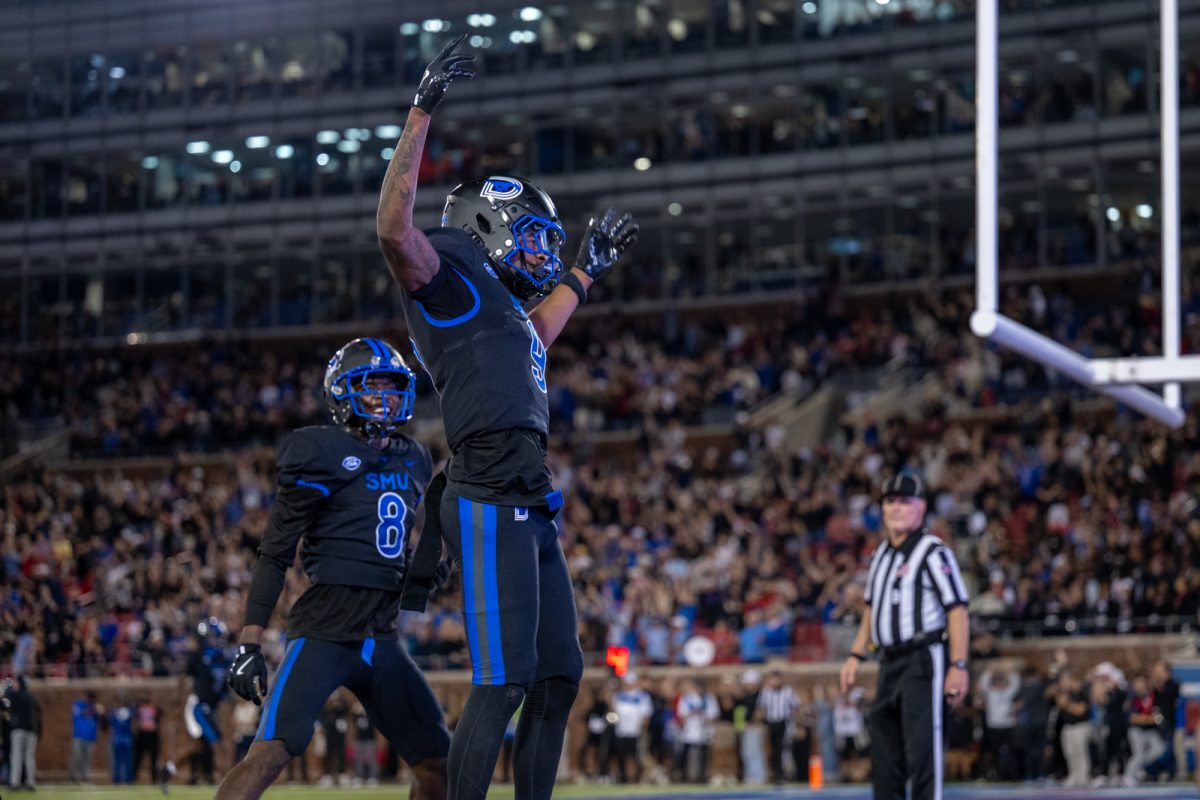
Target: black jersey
<point x="488" y="365"/>
<point x="354" y="506"/>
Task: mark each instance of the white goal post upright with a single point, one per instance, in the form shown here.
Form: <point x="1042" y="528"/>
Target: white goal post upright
<point x="1110" y="376"/>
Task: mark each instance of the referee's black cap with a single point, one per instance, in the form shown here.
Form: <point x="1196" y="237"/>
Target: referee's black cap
<point x="905" y="484"/>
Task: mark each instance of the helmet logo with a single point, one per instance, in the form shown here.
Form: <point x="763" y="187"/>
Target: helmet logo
<point x="351" y="463"/>
<point x="500" y="188"/>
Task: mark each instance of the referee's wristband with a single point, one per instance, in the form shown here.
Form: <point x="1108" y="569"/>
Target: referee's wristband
<point x="858" y="656"/>
<point x="575" y="285"/>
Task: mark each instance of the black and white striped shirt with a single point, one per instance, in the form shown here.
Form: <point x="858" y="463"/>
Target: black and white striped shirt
<point x="778" y="705"/>
<point x="911" y="588"/>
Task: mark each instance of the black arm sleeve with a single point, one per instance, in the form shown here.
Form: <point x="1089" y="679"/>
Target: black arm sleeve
<point x="293" y="513"/>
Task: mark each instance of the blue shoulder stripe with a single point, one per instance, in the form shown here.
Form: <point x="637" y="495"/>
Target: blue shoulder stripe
<point x="322" y="488"/>
<point x="459" y="320"/>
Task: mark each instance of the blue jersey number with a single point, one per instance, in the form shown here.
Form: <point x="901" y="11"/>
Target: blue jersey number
<point x="389" y="534"/>
<point x="537" y="352"/>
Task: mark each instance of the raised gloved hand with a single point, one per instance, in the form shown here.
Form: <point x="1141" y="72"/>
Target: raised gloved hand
<point x="604" y="241"/>
<point x="248" y="673"/>
<point x="445" y="68"/>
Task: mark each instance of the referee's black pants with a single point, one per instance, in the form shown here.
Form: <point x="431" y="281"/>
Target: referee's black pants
<point x="906" y="725"/>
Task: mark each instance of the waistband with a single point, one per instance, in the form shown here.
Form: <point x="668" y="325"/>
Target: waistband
<point x="918" y="642"/>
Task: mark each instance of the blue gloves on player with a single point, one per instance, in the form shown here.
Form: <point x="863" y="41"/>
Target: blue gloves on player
<point x="248" y="673"/>
<point x="603" y="243"/>
<point x="441" y="72"/>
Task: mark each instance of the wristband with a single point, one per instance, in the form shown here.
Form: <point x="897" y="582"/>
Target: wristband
<point x="575" y="285"/>
<point x="961" y="663"/>
<point x="858" y="656"/>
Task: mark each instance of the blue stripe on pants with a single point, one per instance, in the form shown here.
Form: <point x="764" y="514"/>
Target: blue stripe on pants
<point x="467" y="538"/>
<point x="266" y="729"/>
<point x="492" y="599"/>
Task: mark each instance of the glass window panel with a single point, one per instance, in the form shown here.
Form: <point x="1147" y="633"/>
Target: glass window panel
<point x="337" y="282"/>
<point x="866" y="106"/>
<point x="820" y="116"/>
<point x="732" y="239"/>
<point x="297" y="162"/>
<point x="644" y="24"/>
<point x="595" y="32"/>
<point x="956" y="220"/>
<point x="45" y="309"/>
<point x="1124" y="90"/>
<point x="777" y="20"/>
<point x="775" y="237"/>
<point x="1020" y="208"/>
<point x="253" y="76"/>
<point x="909" y="250"/>
<point x="1189" y="65"/>
<point x="123" y="82"/>
<point x="549" y="49"/>
<point x="14" y="90"/>
<point x="1067" y="76"/>
<point x="87" y="84"/>
<point x="296" y="286"/>
<point x="778" y="119"/>
<point x="165" y="77"/>
<point x="46" y="189"/>
<point x="119" y="311"/>
<point x="337" y="60"/>
<point x="956" y="99"/>
<point x="1133" y="188"/>
<point x="732" y="123"/>
<point x="47" y="89"/>
<point x="731" y="22"/>
<point x="1018" y="93"/>
<point x="550" y="146"/>
<point x="206" y="300"/>
<point x="687" y="26"/>
<point x="250" y="286"/>
<point x="83" y="185"/>
<point x="83" y="300"/>
<point x="337" y="171"/>
<point x="820" y="244"/>
<point x="509" y="38"/>
<point x="162" y="288"/>
<point x="299" y="65"/>
<point x="690" y="129"/>
<point x="641" y="128"/>
<point x="121" y="181"/>
<point x="205" y="183"/>
<point x="162" y="178"/>
<point x="212" y="73"/>
<point x="859" y="235"/>
<point x="379" y="57"/>
<point x="914" y="114"/>
<point x="593" y="136"/>
<point x="14" y="187"/>
<point x="258" y="171"/>
<point x="11" y="286"/>
<point x="687" y="255"/>
<point x="378" y="299"/>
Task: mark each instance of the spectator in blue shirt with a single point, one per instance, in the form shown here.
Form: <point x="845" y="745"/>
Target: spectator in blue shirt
<point x="84" y="723"/>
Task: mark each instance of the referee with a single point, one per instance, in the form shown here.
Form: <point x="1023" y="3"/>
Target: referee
<point x="917" y="602"/>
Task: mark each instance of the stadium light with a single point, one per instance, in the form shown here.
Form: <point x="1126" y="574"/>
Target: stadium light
<point x="349" y="146"/>
<point x="223" y="156"/>
<point x="235" y="166"/>
<point x="198" y="148"/>
<point x="257" y="142"/>
<point x="388" y="131"/>
<point x="387" y="153"/>
<point x="529" y="14"/>
<point x="285" y="151"/>
<point x="322" y="159"/>
<point x="328" y="137"/>
<point x="642" y="164"/>
<point x="409" y="29"/>
<point x="150" y="162"/>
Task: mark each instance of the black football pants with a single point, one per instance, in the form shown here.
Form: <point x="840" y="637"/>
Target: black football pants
<point x="906" y="725"/>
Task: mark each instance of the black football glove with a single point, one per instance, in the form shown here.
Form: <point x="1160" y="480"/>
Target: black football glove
<point x="603" y="243"/>
<point x="248" y="673"/>
<point x="444" y="69"/>
<point x="441" y="577"/>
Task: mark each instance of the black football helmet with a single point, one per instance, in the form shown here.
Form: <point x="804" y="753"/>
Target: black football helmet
<point x="346" y="388"/>
<point x="509" y="216"/>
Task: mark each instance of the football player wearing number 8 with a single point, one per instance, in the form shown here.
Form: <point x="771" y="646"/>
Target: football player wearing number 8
<point x="350" y="491"/>
<point x="465" y="285"/>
